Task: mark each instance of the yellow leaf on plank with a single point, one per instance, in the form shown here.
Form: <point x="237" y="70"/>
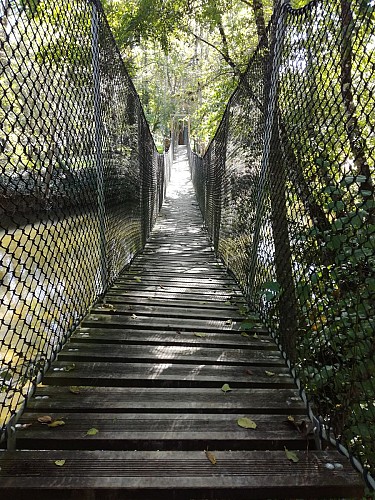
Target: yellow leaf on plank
<point x="290" y="455"/>
<point x="226" y="388"/>
<point x="60" y="463"/>
<point x="56" y="423"/>
<point x="92" y="432"/>
<point x="246" y="423"/>
<point x="211" y="457"/>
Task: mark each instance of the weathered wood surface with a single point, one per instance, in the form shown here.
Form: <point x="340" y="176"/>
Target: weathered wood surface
<point x="175" y="475"/>
<point x="146" y="368"/>
<point x="203" y="400"/>
<point x="167" y="431"/>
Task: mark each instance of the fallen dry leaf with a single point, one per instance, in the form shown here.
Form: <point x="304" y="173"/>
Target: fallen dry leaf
<point x="56" y="423"/>
<point x="26" y="426"/>
<point x="211" y="457"/>
<point x="226" y="388"/>
<point x="92" y="432"/>
<point x="74" y="389"/>
<point x="60" y="463"/>
<point x="246" y="423"/>
<point x="46" y="419"/>
<point x="305" y="427"/>
<point x="290" y="455"/>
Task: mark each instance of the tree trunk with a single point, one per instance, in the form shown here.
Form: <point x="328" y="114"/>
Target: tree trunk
<point x="277" y="176"/>
<point x="287" y="305"/>
<point x="4" y="13"/>
<point x="354" y="132"/>
<point x="259" y="18"/>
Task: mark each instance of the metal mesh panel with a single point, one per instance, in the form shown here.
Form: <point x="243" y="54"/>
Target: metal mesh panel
<point x="293" y="214"/>
<point x="80" y="179"/>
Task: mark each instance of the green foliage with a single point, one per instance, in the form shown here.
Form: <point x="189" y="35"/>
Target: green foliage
<point x="337" y="319"/>
<point x="298" y="4"/>
<point x="185" y="56"/>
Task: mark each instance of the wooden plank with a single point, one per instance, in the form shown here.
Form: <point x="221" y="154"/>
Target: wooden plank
<point x="196" y="281"/>
<point x="186" y="282"/>
<point x="193" y="354"/>
<point x="151" y="338"/>
<point x="186" y="285"/>
<point x="162" y="272"/>
<point x="179" y="256"/>
<point x="164" y="294"/>
<point x="119" y="298"/>
<point x="161" y="431"/>
<point x="164" y="246"/>
<point x="166" y="374"/>
<point x="202" y="292"/>
<point x="150" y="322"/>
<point x="166" y="310"/>
<point x="174" y="272"/>
<point x="212" y="269"/>
<point x="237" y="474"/>
<point x="173" y="260"/>
<point x="108" y="399"/>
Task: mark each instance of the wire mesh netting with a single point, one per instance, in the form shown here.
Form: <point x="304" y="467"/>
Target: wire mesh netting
<point x="80" y="179"/>
<point x="286" y="190"/>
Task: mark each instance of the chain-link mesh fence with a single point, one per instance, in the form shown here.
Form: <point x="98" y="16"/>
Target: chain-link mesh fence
<point x="80" y="179"/>
<point x="286" y="189"/>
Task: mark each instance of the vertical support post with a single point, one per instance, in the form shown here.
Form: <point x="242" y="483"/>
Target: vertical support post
<point x="145" y="178"/>
<point x="98" y="123"/>
<point x="11" y="434"/>
<point x="220" y="162"/>
<point x="268" y="132"/>
<point x="273" y="171"/>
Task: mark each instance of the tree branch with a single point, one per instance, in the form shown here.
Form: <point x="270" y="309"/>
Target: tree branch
<point x="259" y="18"/>
<point x="223" y="54"/>
<point x="246" y="3"/>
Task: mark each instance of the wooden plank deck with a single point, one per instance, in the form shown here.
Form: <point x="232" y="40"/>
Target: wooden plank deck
<point x="145" y="371"/>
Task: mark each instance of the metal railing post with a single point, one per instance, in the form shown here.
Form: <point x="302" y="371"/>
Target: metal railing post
<point x="270" y="122"/>
<point x="98" y="123"/>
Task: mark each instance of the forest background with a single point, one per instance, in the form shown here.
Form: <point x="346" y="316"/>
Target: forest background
<point x="186" y="57"/>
